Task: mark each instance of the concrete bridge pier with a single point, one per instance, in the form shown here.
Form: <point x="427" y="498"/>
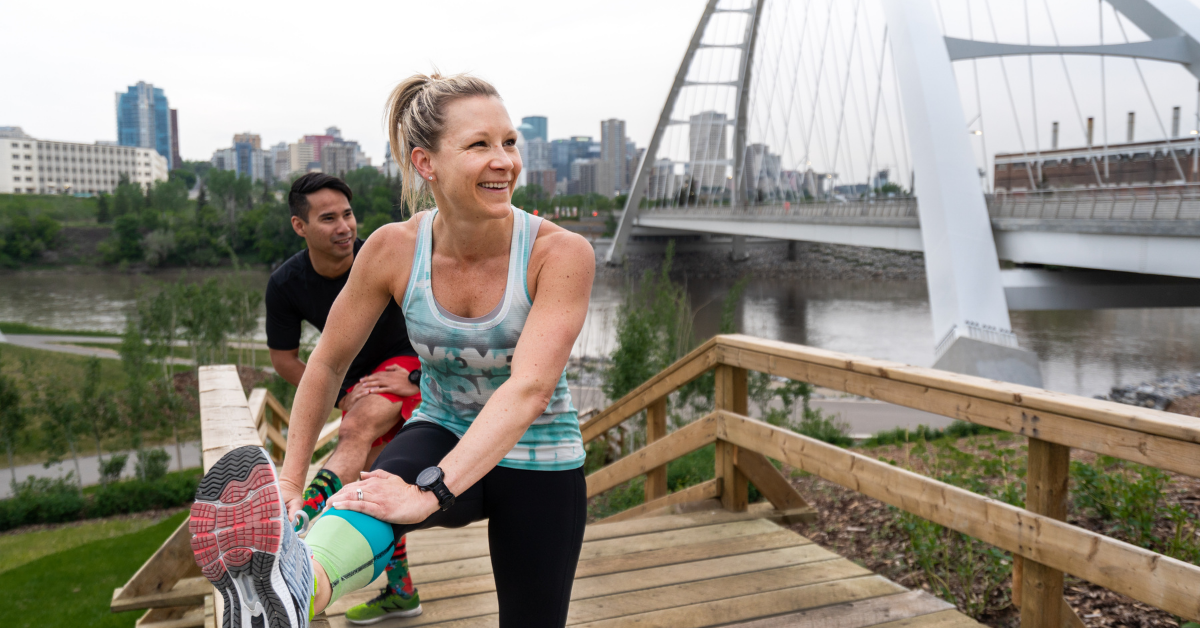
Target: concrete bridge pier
<point x="739" y="252"/>
<point x="972" y="331"/>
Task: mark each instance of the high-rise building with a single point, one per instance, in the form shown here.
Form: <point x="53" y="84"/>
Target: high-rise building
<point x="707" y="151"/>
<point x="320" y="141"/>
<point x="176" y="160"/>
<point x="32" y="166"/>
<point x="252" y="139"/>
<point x="301" y="157"/>
<point x="280" y="166"/>
<point x="612" y="152"/>
<point x="338" y="158"/>
<point x="544" y="179"/>
<point x="591" y="176"/>
<point x="144" y="118"/>
<point x="536" y="155"/>
<point x="564" y="152"/>
<point x="762" y="172"/>
<point x="537" y="128"/>
<point x="245" y="157"/>
<point x="664" y="183"/>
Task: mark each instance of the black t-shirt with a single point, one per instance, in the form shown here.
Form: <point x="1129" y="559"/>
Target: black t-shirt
<point x="297" y="293"/>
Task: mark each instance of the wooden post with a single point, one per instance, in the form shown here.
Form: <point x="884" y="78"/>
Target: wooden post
<point x="1046" y="494"/>
<point x="731" y="396"/>
<point x="656" y="428"/>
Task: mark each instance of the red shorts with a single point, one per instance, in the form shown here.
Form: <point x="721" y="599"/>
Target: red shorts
<point x="408" y="404"/>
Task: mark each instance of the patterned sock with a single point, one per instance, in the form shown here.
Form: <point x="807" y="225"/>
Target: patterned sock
<point x="399" y="580"/>
<point x="322" y="488"/>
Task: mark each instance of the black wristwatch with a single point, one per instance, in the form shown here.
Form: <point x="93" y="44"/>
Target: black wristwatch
<point x="414" y="377"/>
<point x="431" y="480"/>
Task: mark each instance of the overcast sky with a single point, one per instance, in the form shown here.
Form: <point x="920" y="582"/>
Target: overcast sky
<point x="283" y="70"/>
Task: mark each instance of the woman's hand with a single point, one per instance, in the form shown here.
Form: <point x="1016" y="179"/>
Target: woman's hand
<point x="393" y="379"/>
<point x="387" y="498"/>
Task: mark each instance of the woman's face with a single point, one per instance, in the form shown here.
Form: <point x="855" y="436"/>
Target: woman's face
<point x="477" y="163"/>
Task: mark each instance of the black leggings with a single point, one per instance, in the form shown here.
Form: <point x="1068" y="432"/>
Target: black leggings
<point x="535" y="529"/>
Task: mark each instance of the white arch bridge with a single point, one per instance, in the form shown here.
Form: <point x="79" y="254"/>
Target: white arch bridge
<point x="803" y="120"/>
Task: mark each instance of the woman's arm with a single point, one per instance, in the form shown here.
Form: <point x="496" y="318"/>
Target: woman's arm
<point x="564" y="285"/>
<point x="351" y="319"/>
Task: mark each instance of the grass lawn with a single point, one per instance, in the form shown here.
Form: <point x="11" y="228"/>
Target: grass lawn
<point x="20" y="548"/>
<point x="73" y="588"/>
<point x="263" y="357"/>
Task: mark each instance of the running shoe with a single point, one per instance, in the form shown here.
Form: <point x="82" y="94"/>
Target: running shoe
<point x="245" y="547"/>
<point x="383" y="606"/>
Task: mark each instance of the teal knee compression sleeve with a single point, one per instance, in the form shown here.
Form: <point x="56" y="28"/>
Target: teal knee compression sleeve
<point x="353" y="548"/>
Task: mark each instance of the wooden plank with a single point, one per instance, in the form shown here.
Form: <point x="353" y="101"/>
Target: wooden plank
<point x="684" y="440"/>
<point x="225" y="422"/>
<point x="858" y="614"/>
<point x="719" y="612"/>
<point x="258" y="404"/>
<point x="703" y="490"/>
<point x="185" y="592"/>
<point x="172" y="562"/>
<point x="669" y="585"/>
<point x="941" y="619"/>
<point x="633" y="600"/>
<point x="656" y="428"/>
<point x="1160" y="581"/>
<point x="769" y="481"/>
<point x="445" y="589"/>
<point x="425" y="555"/>
<point x="684" y="370"/>
<point x="278" y="410"/>
<point x="190" y="617"/>
<point x="328" y="432"/>
<point x="730" y="395"/>
<point x="907" y="385"/>
<point x="1046" y="494"/>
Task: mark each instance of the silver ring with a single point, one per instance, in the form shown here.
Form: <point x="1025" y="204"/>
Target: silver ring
<point x="358" y="491"/>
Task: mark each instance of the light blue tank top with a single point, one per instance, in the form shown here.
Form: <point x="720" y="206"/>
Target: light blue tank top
<point x="464" y="360"/>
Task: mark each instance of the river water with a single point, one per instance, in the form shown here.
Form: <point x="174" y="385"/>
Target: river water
<point x="1081" y="352"/>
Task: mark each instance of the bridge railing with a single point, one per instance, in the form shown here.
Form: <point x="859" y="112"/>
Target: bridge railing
<point x="1043" y="545"/>
<point x="900" y="207"/>
<point x="1148" y="202"/>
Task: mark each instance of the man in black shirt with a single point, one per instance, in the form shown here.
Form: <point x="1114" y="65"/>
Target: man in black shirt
<point x="379" y="391"/>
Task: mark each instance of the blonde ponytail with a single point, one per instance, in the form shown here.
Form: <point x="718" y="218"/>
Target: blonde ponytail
<point x="415" y="117"/>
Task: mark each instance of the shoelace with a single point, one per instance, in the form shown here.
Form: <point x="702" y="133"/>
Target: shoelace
<point x="301" y="523"/>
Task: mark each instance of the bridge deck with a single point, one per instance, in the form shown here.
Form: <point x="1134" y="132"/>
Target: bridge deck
<point x="677" y="571"/>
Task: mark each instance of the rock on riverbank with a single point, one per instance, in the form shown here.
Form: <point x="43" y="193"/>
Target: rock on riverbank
<point x="812" y="261"/>
<point x="1175" y="393"/>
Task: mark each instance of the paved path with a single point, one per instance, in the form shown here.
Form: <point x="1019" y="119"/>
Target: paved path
<point x="71" y="344"/>
<point x="90" y="468"/>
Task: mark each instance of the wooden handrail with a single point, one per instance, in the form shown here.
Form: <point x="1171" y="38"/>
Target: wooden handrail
<point x="1142" y="435"/>
<point x="1053" y="422"/>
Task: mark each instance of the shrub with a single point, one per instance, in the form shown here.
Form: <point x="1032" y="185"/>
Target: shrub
<point x="1127" y="498"/>
<point x="152" y="464"/>
<point x="111" y="469"/>
<point x="43" y="500"/>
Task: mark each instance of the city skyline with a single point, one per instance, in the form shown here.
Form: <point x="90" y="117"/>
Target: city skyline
<point x="204" y="71"/>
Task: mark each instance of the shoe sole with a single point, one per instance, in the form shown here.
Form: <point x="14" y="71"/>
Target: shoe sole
<point x="236" y="525"/>
<point x="392" y="615"/>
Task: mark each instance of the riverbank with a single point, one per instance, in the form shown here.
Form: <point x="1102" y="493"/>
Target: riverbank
<point x="811" y="260"/>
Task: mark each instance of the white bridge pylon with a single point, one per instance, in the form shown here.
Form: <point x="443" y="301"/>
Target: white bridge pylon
<point x="812" y="102"/>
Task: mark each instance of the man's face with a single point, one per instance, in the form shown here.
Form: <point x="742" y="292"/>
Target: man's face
<point x="331" y="227"/>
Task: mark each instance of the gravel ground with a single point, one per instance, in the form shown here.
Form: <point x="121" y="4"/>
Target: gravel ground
<point x="813" y="261"/>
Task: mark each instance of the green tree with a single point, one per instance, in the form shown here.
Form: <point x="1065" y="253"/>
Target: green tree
<point x="158" y="315"/>
<point x="138" y="408"/>
<point x="12" y="419"/>
<point x="99" y="411"/>
<point x="102" y="211"/>
<point x="64" y="424"/>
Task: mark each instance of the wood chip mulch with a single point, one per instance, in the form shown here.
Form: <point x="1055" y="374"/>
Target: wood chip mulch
<point x="867" y="532"/>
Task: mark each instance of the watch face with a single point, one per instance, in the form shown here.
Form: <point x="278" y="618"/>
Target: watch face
<point x="429" y="476"/>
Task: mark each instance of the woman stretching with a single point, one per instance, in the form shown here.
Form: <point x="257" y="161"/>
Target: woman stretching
<point x="494" y="299"/>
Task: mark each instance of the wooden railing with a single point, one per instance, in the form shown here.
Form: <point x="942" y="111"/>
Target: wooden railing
<point x="170" y="585"/>
<point x="1037" y="535"/>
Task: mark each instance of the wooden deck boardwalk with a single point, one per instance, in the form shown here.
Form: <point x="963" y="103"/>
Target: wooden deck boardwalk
<point x="674" y="571"/>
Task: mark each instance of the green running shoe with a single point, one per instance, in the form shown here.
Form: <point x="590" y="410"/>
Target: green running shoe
<point x="387" y="604"/>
